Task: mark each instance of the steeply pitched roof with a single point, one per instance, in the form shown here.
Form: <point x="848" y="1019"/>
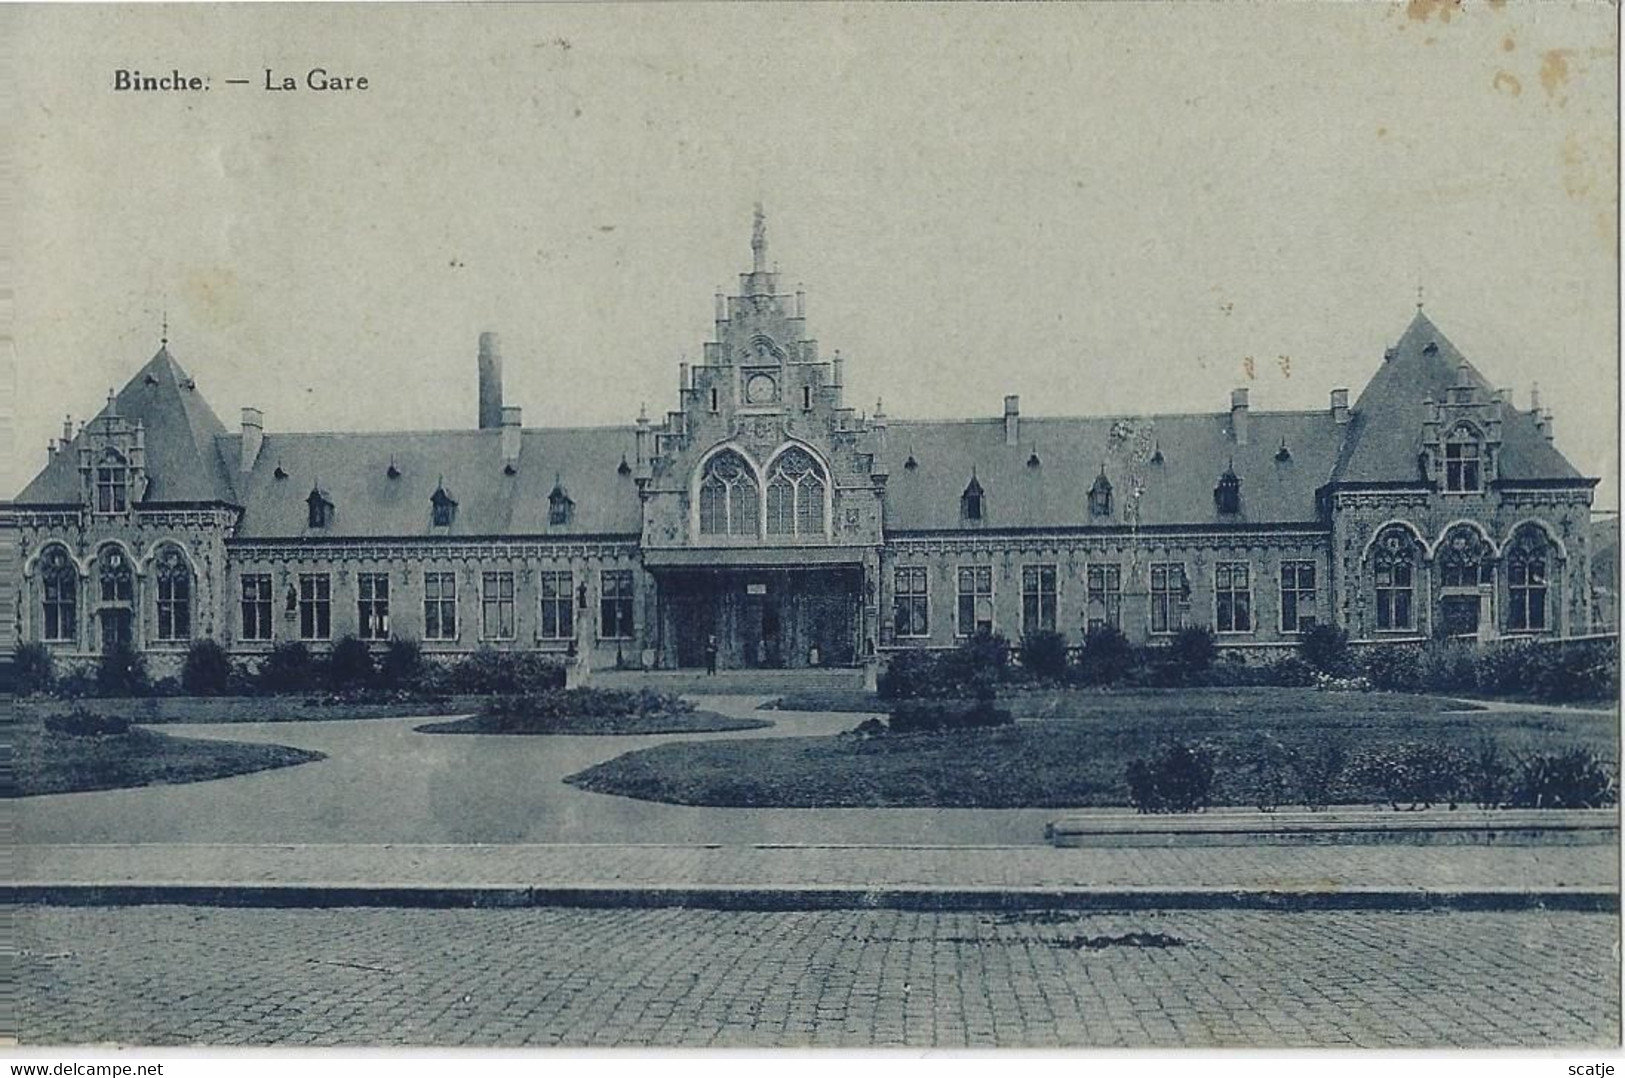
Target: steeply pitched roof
<point x="353" y="471"/>
<point x="1385" y="428"/>
<point x="181" y="428"/>
<point x="1072" y="453"/>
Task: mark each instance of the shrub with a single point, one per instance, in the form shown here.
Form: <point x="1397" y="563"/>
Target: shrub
<point x="402" y="665"/>
<point x="986" y="651"/>
<point x="32" y="669"/>
<point x="586" y="703"/>
<point x="1177" y="779"/>
<point x="82" y="722"/>
<point x="288" y="668"/>
<point x="1194" y="649"/>
<point x="970" y="671"/>
<point x="350" y="664"/>
<point x="1577" y="670"/>
<point x="1578" y="778"/>
<point x="1489" y="776"/>
<point x="908" y="674"/>
<point x="122" y="672"/>
<point x="207" y="670"/>
<point x="1107" y="656"/>
<point x="1507" y="669"/>
<point x="1394" y="667"/>
<point x="1290" y="673"/>
<point x="1326" y="648"/>
<point x="1268" y="764"/>
<point x="76" y="684"/>
<point x="1318" y="772"/>
<point x="1448" y="666"/>
<point x="489" y="672"/>
<point x="1043" y="651"/>
<point x="1415" y="774"/>
<point x="931" y="716"/>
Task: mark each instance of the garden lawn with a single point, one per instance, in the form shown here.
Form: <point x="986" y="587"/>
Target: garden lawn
<point x="1030" y="702"/>
<point x="681" y="722"/>
<point x="51" y="763"/>
<point x="1072" y="748"/>
<point x="314" y="707"/>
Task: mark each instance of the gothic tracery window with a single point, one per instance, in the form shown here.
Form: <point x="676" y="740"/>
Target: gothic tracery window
<point x="729" y="497"/>
<point x="1528" y="560"/>
<point x="1464" y="558"/>
<point x="174" y="595"/>
<point x="1394" y="562"/>
<point x="60" y="581"/>
<point x="117" y="583"/>
<point x="795" y="495"/>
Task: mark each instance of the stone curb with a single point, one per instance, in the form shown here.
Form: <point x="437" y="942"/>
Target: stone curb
<point x="797" y="898"/>
<point x="1476" y="827"/>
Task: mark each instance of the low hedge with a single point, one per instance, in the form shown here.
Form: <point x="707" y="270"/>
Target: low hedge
<point x="931" y="716"/>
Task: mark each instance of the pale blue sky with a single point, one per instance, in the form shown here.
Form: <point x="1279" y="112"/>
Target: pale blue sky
<point x="1103" y="208"/>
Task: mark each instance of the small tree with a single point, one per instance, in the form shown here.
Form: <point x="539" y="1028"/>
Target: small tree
<point x="1043" y="651"/>
<point x="122" y="672"/>
<point x="1194" y="649"/>
<point x="32" y="669"/>
<point x="350" y="665"/>
<point x="402" y="665"/>
<point x="1326" y="648"/>
<point x="1107" y="656"/>
<point x="207" y="670"/>
<point x="288" y="668"/>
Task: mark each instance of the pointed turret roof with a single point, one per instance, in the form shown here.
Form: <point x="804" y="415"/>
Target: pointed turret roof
<point x="183" y="462"/>
<point x="1385" y="427"/>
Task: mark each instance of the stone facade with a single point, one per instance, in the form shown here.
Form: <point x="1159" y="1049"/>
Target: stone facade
<point x="766" y="519"/>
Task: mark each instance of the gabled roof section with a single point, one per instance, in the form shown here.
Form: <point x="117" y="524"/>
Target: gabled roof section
<point x="183" y="464"/>
<point x="464" y="465"/>
<point x="1385" y="427"/>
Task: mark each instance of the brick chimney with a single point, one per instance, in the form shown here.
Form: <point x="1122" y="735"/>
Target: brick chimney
<point x="490" y="381"/>
<point x="511" y="433"/>
<point x="1012" y="419"/>
<point x="253" y="436"/>
<point x="1340" y="406"/>
<point x="1238" y="415"/>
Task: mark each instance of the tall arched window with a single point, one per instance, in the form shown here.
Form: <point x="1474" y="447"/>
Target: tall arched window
<point x="795" y="495"/>
<point x="1394" y="561"/>
<point x="112" y="483"/>
<point x="729" y="497"/>
<point x="174" y="595"/>
<point x="1464" y="558"/>
<point x="1461" y="460"/>
<point x="60" y="584"/>
<point x="1528" y="560"/>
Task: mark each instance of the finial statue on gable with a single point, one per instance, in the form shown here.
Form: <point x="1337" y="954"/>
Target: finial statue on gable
<point x="758" y="240"/>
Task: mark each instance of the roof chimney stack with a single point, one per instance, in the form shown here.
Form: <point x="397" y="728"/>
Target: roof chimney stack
<point x="1238" y="415"/>
<point x="253" y="436"/>
<point x="510" y="438"/>
<point x="1340" y="406"/>
<point x="490" y="381"/>
<point x="1012" y="419"/>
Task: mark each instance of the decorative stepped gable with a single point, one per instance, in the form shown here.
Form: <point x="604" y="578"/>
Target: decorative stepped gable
<point x="164" y="429"/>
<point x="1424" y="390"/>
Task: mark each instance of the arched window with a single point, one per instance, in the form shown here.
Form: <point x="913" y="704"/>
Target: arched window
<point x="174" y="595"/>
<point x="112" y="483"/>
<point x="795" y="495"/>
<point x="1528" y="559"/>
<point x="1394" y="561"/>
<point x="1464" y="559"/>
<point x="60" y="584"/>
<point x="729" y="497"/>
<point x="113" y="568"/>
<point x="1461" y="459"/>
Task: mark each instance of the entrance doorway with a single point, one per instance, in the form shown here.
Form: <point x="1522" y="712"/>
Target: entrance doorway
<point x="762" y="619"/>
<point x="115" y="623"/>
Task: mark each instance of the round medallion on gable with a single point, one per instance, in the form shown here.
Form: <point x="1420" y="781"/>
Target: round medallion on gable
<point x="761" y="389"/>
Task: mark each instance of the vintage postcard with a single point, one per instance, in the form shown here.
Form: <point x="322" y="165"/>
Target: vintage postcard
<point x="813" y="525"/>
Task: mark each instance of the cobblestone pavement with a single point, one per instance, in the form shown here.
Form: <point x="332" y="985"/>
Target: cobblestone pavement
<point x="169" y="975"/>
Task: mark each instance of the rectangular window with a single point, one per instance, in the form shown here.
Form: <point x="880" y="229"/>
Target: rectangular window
<point x="496" y="606"/>
<point x="61" y="615"/>
<point x="1526" y="581"/>
<point x="1038" y="598"/>
<point x="1170" y="597"/>
<point x="372" y="606"/>
<point x="315" y="606"/>
<point x="112" y="489"/>
<point x="615" y="605"/>
<point x="1105" y="597"/>
<point x="256" y="606"/>
<point x="558" y="619"/>
<point x="1393" y="596"/>
<point x="174" y="607"/>
<point x="1233" y="592"/>
<point x="439" y="606"/>
<point x="1297" y="596"/>
<point x="910" y="603"/>
<point x="975" y="600"/>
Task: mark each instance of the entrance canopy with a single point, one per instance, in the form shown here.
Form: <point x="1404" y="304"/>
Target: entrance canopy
<point x="753" y="557"/>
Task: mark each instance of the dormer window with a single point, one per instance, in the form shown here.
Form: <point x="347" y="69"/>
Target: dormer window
<point x="443" y="507"/>
<point x="560" y="509"/>
<point x="1100" y="496"/>
<point x="1227" y="495"/>
<point x="1461" y="460"/>
<point x="112" y="483"/>
<point x="972" y="503"/>
<point x="320" y="509"/>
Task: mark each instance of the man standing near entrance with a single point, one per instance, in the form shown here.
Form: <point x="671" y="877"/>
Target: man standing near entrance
<point x="711" y="654"/>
